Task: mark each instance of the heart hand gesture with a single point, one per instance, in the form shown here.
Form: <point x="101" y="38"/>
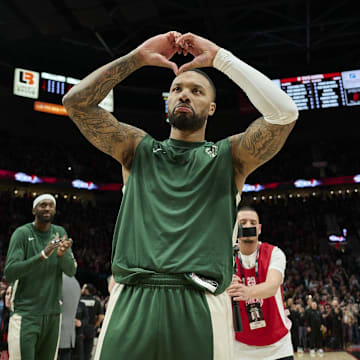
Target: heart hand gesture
<point x="158" y="50"/>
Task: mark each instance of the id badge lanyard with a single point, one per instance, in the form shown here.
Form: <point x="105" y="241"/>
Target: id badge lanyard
<point x="253" y="309"/>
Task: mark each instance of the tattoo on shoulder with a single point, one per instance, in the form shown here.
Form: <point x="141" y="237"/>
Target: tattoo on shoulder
<point x="261" y="141"/>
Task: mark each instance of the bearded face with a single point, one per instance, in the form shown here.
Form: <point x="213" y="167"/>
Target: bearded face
<point x="184" y="118"/>
<point x="190" y="101"/>
<point x="45" y="211"/>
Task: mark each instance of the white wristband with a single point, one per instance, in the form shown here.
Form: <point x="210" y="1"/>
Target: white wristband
<point x="44" y="255"/>
<point x="274" y="104"/>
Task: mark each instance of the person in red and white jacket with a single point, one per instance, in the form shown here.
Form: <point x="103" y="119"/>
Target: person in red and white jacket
<point x="257" y="287"/>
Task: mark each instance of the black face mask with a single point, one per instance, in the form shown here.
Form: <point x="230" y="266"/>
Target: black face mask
<point x="246" y="231"/>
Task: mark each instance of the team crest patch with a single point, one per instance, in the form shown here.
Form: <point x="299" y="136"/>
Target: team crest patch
<point x="211" y="150"/>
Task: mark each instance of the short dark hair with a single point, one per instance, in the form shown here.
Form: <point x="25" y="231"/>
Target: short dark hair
<point x="207" y="77"/>
<point x="90" y="288"/>
<point x="248" y="208"/>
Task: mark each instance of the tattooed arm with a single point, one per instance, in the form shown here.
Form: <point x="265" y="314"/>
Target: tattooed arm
<point x="259" y="143"/>
<point x="98" y="125"/>
<point x="264" y="137"/>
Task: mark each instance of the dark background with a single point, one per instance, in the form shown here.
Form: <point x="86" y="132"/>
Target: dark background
<point x="279" y="38"/>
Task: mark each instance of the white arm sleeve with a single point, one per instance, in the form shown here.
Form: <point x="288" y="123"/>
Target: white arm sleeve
<point x="273" y="103"/>
<point x="278" y="260"/>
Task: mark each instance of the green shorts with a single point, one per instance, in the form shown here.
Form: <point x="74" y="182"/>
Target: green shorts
<point x="166" y="317"/>
<point x="34" y="337"/>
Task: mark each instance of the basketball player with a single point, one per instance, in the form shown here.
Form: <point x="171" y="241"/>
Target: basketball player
<point x="172" y="248"/>
<point x="38" y="254"/>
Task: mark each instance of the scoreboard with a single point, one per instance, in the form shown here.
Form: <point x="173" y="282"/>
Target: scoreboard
<point x="323" y="91"/>
<point x="48" y="89"/>
<point x="311" y="92"/>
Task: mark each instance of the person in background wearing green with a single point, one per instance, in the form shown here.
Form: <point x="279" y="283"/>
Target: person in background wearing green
<point x="39" y="253"/>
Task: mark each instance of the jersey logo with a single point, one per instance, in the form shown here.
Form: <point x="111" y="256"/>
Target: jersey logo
<point x="158" y="148"/>
<point x="88" y="302"/>
<point x="30" y="238"/>
<point x="211" y="150"/>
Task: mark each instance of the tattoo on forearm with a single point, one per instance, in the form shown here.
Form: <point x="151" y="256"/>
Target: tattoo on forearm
<point x="105" y="132"/>
<point x="261" y="141"/>
<point x="96" y="124"/>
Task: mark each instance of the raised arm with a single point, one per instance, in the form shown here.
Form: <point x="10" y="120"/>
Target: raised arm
<point x="264" y="137"/>
<point x="100" y="127"/>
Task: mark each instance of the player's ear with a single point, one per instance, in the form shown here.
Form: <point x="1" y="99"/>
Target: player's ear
<point x="212" y="109"/>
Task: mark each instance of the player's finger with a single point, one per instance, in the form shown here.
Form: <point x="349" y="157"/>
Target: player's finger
<point x="174" y="35"/>
<point x="185" y="40"/>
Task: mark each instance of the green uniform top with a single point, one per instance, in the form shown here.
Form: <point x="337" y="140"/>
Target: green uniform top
<point x="178" y="212"/>
<point x="36" y="283"/>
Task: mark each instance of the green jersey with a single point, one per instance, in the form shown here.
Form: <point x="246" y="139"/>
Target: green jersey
<point x="178" y="212"/>
<point x="36" y="283"/>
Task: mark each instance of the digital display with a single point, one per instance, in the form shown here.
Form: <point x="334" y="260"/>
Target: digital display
<point x="49" y="89"/>
<point x="319" y="91"/>
<point x="54" y="87"/>
<point x="351" y="81"/>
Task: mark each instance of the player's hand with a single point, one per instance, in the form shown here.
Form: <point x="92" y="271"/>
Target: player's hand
<point x="237" y="290"/>
<point x="159" y="49"/>
<point x="203" y="50"/>
<point x="64" y="246"/>
<point x="52" y="245"/>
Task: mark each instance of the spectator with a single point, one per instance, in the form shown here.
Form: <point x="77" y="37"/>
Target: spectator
<point x="302" y="329"/>
<point x="81" y="321"/>
<point x="294" y="317"/>
<point x="348" y="326"/>
<point x="326" y="315"/>
<point x="313" y="323"/>
<point x="96" y="315"/>
<point x="337" y="332"/>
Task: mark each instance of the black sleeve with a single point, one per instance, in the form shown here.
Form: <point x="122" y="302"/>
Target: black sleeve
<point x="98" y="308"/>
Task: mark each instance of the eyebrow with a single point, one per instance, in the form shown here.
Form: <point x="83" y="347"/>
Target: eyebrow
<point x="194" y="85"/>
